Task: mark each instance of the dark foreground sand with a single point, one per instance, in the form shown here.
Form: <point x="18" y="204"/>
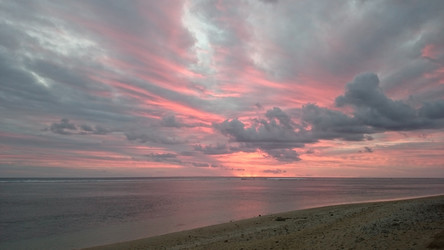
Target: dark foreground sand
<point x="405" y="224"/>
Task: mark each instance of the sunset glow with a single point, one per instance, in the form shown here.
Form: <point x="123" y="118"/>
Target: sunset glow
<point x="222" y="88"/>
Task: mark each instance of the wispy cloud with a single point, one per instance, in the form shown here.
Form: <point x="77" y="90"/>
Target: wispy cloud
<point x="221" y="88"/>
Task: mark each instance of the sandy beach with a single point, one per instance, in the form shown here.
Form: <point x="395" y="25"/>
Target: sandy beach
<point x="403" y="224"/>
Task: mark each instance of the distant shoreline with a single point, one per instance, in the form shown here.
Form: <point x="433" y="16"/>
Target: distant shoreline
<point x="405" y="224"/>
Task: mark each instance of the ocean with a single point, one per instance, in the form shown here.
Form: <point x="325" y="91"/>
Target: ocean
<point x="71" y="213"/>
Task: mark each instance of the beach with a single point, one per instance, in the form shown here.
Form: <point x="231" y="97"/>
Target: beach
<point x="402" y="224"/>
<point x="80" y="213"/>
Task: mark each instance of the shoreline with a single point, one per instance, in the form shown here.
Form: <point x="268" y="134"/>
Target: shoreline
<point x="416" y="223"/>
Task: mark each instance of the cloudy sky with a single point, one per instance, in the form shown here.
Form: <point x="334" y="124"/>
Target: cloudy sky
<point x="222" y="88"/>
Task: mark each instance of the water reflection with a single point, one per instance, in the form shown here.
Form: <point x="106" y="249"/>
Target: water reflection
<point x="129" y="209"/>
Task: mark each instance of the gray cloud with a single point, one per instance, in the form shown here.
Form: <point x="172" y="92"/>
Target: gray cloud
<point x="92" y="68"/>
<point x="331" y="124"/>
<point x="373" y="112"/>
<point x="373" y="108"/>
<point x="432" y="110"/>
<point x="236" y="169"/>
<point x="366" y="150"/>
<point x="86" y="128"/>
<point x="217" y="149"/>
<point x="276" y="136"/>
<point x="65" y="127"/>
<point x="44" y="72"/>
<point x="165" y="157"/>
<point x="387" y="24"/>
<point x="200" y="164"/>
<point x="264" y="132"/>
<point x="175" y="159"/>
<point x="153" y="137"/>
<point x="20" y="88"/>
<point x="272" y="149"/>
<point x="171" y="121"/>
<point x="283" y="155"/>
<point x="282" y="117"/>
<point x="309" y="151"/>
<point x="99" y="130"/>
<point x="274" y="171"/>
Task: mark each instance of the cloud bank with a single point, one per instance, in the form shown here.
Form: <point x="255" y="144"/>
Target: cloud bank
<point x="373" y="112"/>
<point x="226" y="87"/>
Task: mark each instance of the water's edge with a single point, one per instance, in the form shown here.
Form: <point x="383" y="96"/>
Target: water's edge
<point x="66" y="213"/>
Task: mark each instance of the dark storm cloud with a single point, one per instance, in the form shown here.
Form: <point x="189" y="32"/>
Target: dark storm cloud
<point x="283" y="118"/>
<point x="265" y="132"/>
<point x="331" y="124"/>
<point x="373" y="108"/>
<point x="276" y="136"/>
<point x="434" y="110"/>
<point x="373" y="112"/>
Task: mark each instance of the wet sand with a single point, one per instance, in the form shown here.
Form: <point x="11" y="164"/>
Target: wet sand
<point x="404" y="224"/>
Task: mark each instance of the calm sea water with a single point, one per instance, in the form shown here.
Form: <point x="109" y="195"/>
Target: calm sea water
<point x="75" y="213"/>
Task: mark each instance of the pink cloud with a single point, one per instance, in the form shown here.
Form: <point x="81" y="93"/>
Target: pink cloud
<point x="212" y="88"/>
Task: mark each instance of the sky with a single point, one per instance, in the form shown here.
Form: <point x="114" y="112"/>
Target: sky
<point x="222" y="88"/>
